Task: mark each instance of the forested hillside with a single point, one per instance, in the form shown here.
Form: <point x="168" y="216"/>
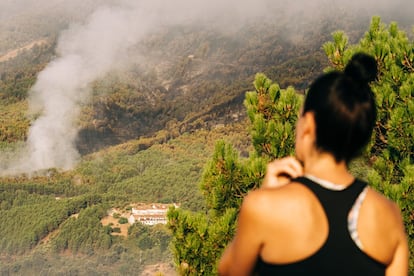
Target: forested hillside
<point x="190" y="77"/>
<point x="145" y="133"/>
<point x="185" y="88"/>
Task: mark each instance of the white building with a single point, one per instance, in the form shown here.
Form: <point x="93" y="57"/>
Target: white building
<point x="150" y="214"/>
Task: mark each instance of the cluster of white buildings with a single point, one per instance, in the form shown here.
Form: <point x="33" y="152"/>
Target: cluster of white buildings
<point x="150" y="214"/>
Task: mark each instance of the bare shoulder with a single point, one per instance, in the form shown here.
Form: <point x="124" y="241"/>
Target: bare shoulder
<point x="276" y="202"/>
<point x="383" y="205"/>
<point x="380" y="220"/>
<point x="382" y="213"/>
<point x="289" y="221"/>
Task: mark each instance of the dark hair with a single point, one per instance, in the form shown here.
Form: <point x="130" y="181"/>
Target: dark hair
<point x="344" y="108"/>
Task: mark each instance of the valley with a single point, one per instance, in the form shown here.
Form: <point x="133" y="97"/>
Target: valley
<point x="147" y="131"/>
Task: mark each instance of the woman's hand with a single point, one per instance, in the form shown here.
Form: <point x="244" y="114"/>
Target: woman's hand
<point x="280" y="171"/>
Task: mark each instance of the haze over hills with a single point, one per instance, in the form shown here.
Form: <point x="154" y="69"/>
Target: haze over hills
<point x="195" y="58"/>
<point x="129" y="97"/>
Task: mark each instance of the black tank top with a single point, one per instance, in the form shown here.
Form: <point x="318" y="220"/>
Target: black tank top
<point x="339" y="255"/>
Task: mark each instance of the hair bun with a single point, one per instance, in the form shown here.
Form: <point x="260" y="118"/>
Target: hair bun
<point x="362" y="68"/>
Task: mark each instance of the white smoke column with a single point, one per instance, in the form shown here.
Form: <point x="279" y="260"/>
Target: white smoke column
<point x="85" y="53"/>
<point x="88" y="52"/>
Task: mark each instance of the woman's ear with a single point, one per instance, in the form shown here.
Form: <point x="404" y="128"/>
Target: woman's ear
<point x="305" y="135"/>
<point x="309" y="127"/>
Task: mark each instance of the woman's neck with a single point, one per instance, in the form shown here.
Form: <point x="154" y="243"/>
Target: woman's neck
<point x="324" y="166"/>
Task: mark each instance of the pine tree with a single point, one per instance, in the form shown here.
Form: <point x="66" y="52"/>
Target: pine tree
<point x="199" y="239"/>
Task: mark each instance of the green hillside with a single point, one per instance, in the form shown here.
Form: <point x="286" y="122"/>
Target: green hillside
<point x="42" y="207"/>
<point x="145" y="136"/>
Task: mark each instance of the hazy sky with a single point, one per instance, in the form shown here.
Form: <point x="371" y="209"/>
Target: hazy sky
<point x="221" y="10"/>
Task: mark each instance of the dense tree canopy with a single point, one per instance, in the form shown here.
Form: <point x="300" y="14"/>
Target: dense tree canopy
<point x="226" y="179"/>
